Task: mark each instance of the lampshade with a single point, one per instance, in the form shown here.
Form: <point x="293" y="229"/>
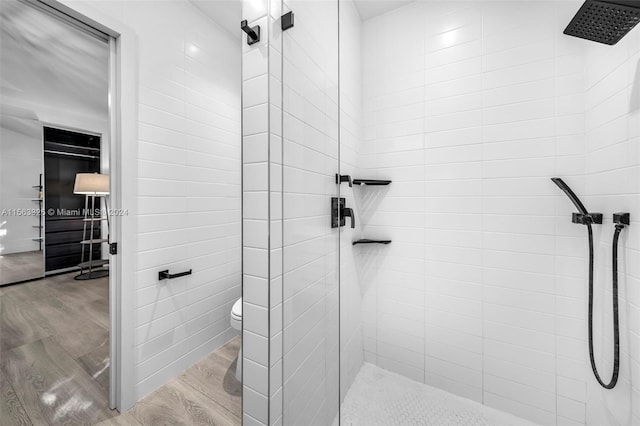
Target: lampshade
<point x="91" y="184"/>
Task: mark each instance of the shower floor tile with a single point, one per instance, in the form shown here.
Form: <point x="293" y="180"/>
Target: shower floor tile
<point x="380" y="397"/>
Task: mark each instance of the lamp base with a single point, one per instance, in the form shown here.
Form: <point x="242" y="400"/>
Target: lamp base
<point x="92" y="275"/>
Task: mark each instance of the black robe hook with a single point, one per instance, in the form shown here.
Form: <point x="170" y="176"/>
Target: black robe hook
<point x="253" y="33"/>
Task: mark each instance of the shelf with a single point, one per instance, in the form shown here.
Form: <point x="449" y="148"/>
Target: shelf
<point x="373" y="182"/>
<point x="100" y="240"/>
<point x="94" y="219"/>
<point x="365" y="241"/>
<point x="94" y="263"/>
<point x="37" y="199"/>
<point x="36" y="239"/>
<point x="37" y="186"/>
<point x="37" y="226"/>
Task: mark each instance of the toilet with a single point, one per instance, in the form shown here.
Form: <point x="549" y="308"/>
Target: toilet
<point x="236" y="323"/>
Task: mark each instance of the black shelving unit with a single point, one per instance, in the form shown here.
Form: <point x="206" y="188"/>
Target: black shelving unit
<point x="372" y="182"/>
<point x="367" y="241"/>
<point x="39" y="200"/>
<point x="67" y="153"/>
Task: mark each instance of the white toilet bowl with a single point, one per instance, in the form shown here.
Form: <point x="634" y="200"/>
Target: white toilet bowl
<point x="236" y="323"/>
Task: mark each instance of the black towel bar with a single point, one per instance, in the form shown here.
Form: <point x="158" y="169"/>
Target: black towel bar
<point x="165" y="275"/>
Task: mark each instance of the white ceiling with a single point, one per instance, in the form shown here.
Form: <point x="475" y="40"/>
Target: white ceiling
<point x="49" y="63"/>
<point x="372" y="8"/>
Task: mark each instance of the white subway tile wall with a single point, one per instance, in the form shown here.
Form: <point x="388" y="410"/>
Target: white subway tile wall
<point x="612" y="173"/>
<point x="310" y="327"/>
<point x="276" y="214"/>
<point x="470" y="108"/>
<point x="257" y="241"/>
<point x="188" y="187"/>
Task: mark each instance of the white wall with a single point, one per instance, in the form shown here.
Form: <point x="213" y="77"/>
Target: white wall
<point x="188" y="184"/>
<point x="188" y="187"/>
<point x="21" y="164"/>
<point x="470" y="108"/>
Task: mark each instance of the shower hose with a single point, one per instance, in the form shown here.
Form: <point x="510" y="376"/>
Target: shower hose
<point x="616" y="328"/>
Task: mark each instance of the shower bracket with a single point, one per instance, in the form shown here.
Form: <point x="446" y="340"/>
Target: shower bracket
<point x="584" y="219"/>
<point x="622" y="218"/>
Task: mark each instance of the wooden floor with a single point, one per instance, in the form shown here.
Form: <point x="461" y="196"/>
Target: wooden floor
<point x="206" y="394"/>
<point x="54" y="364"/>
<point x="21" y="266"/>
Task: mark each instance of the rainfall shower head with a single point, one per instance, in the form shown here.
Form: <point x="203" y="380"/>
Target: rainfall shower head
<point x="604" y="21"/>
<point x="572" y="195"/>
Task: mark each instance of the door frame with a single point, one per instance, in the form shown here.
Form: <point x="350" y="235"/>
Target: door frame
<point x="122" y="134"/>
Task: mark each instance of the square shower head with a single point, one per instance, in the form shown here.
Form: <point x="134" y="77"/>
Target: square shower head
<point x="604" y="21"/>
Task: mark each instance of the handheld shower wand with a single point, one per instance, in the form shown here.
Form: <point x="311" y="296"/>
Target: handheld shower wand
<point x="572" y="195"/>
<point x="583" y="217"/>
<point x="586" y="218"/>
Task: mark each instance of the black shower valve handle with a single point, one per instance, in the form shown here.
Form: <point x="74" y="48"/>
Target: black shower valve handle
<point x="348" y="212"/>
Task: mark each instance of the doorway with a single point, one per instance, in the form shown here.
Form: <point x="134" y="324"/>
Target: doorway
<point x="56" y="78"/>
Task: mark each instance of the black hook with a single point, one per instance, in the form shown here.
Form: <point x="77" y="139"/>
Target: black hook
<point x="253" y="33"/>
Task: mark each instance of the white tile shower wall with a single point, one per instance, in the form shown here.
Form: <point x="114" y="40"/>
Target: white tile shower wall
<point x="276" y="213"/>
<point x="469" y="108"/>
<point x="188" y="184"/>
<point x="392" y="276"/>
<point x="612" y="169"/>
<point x="310" y="356"/>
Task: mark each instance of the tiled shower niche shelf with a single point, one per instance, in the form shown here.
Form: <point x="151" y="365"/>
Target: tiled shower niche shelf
<point x="367" y="241"/>
<point x="372" y="182"/>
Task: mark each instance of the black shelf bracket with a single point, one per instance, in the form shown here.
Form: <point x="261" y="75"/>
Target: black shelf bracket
<point x="372" y="182"/>
<point x="165" y="275"/>
<point x="344" y="178"/>
<point x="366" y="241"/>
<point x="253" y="33"/>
